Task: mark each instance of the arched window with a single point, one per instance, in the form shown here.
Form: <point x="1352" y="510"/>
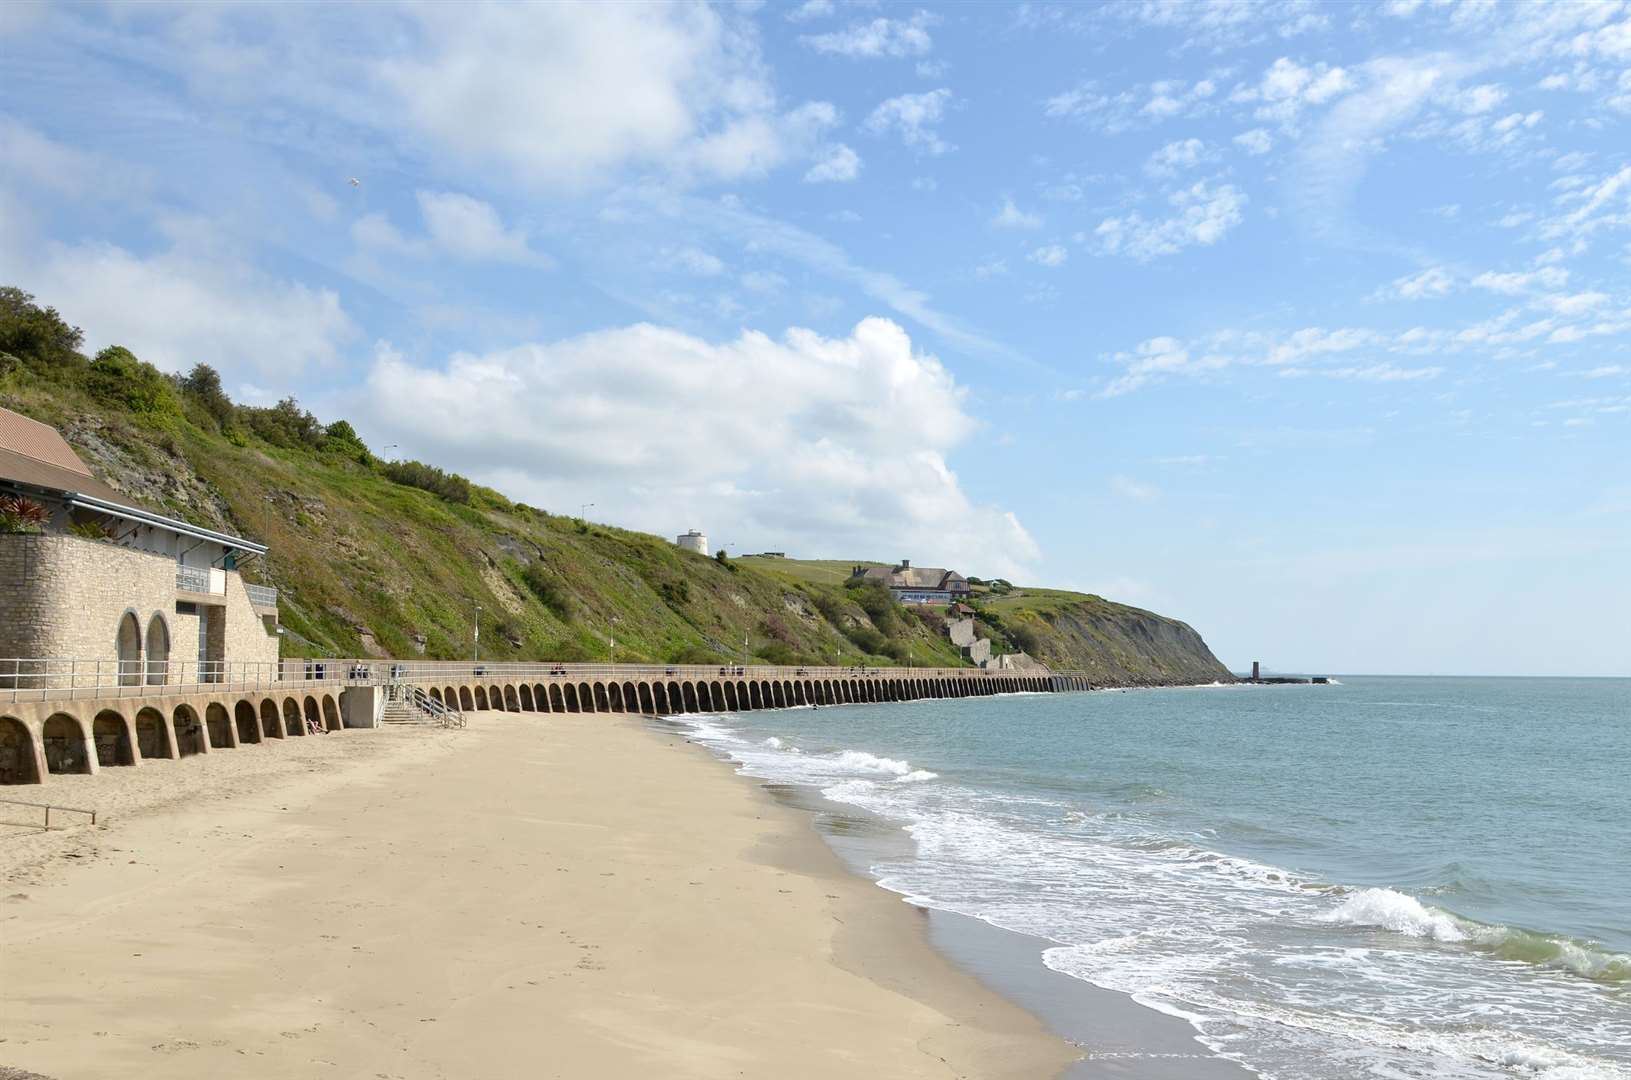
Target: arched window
<point x="158" y="652"/>
<point x="130" y="651"/>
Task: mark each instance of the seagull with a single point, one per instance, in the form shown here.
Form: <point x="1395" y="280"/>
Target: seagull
<point x="355" y="182"/>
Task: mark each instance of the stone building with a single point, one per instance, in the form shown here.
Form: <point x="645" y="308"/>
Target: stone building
<point x="128" y="595"/>
<point x="693" y="540"/>
<point x="917" y="585"/>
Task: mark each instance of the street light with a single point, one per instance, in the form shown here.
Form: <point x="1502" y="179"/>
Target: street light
<point x="611" y="634"/>
<point x="476" y="638"/>
<point x="583" y="511"/>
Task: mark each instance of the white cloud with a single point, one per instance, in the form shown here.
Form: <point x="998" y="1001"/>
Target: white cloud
<point x="1142" y="105"/>
<point x="1128" y="488"/>
<point x="1175" y="157"/>
<point x="1511" y="284"/>
<point x="1433" y="282"/>
<point x="1049" y="255"/>
<point x="693" y="261"/>
<point x="1256" y="141"/>
<point x="811" y="9"/>
<point x="1010" y="216"/>
<point x="1204" y="213"/>
<point x="196" y="302"/>
<point x="778" y="441"/>
<point x="895" y="38"/>
<point x="563" y="95"/>
<point x="1155" y="358"/>
<point x="913" y="117"/>
<point x="1480" y="99"/>
<point x="1287" y="88"/>
<point x="468" y="228"/>
<point x="839" y="165"/>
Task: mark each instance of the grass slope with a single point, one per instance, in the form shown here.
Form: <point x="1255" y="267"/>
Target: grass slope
<point x="368" y="565"/>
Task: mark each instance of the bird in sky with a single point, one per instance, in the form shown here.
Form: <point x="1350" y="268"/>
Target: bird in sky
<point x="355" y="182"/>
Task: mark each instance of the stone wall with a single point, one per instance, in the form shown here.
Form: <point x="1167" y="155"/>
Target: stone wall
<point x="64" y="597"/>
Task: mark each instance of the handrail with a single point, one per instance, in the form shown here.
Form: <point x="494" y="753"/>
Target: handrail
<point x="25" y="679"/>
<point x="48" y="807"/>
<point x="436" y="710"/>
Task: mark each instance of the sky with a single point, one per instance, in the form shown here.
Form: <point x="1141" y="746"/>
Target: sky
<point x="1307" y="324"/>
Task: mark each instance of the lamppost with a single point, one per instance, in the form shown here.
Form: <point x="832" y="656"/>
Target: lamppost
<point x="611" y="635"/>
<point x="583" y="511"/>
<point x="475" y="638"/>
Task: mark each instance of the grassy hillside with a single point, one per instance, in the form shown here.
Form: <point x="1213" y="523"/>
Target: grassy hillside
<point x="392" y="558"/>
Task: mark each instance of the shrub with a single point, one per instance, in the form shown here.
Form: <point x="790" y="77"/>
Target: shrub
<point x="117" y="376"/>
<point x="37" y="336"/>
<point x="20" y="515"/>
<point x="341" y="438"/>
<point x="866" y="639"/>
<point x="831" y="608"/>
<point x="90" y="530"/>
<point x="285" y="424"/>
<point x="674" y="593"/>
<point x="450" y="486"/>
<point x="1025" y="637"/>
<point x="203" y="385"/>
<point x="550" y="592"/>
<point x="776" y="652"/>
<point x="775" y="628"/>
<point x="725" y="560"/>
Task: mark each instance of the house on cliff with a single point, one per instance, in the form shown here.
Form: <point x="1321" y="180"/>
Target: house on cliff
<point x="916" y="585"/>
<point x="91" y="579"/>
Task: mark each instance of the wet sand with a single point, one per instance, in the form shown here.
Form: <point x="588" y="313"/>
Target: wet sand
<point x="534" y="896"/>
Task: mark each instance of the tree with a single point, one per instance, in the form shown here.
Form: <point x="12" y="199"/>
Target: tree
<point x="203" y="384"/>
<point x="116" y="375"/>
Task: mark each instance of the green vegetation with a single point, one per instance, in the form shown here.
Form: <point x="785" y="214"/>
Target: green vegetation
<point x="391" y="558"/>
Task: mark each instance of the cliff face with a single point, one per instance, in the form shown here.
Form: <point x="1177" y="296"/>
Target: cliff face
<point x="1115" y="644"/>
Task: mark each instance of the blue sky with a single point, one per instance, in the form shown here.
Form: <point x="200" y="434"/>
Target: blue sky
<point x="1305" y="323"/>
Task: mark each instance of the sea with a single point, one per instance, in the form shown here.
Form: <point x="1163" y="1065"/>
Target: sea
<point x="1382" y="877"/>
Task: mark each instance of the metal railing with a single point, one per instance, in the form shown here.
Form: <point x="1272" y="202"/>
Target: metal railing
<point x="262" y="595"/>
<point x="48" y="807"/>
<point x="49" y="679"/>
<point x="439" y="711"/>
<point x="193" y="578"/>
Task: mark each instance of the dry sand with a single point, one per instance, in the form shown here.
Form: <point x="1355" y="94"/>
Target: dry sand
<point x="569" y="896"/>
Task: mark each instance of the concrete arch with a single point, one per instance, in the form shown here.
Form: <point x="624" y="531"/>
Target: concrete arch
<point x="774" y="698"/>
<point x="688" y="697"/>
<point x="243" y="713"/>
<point x="801" y="692"/>
<point x="436" y="694"/>
<point x="495" y="698"/>
<point x="292" y="724"/>
<point x="755" y="701"/>
<point x="614" y="697"/>
<point x="313" y="715"/>
<point x="676" y="700"/>
<point x="647" y="706"/>
<point x="540" y="697"/>
<point x="512" y="698"/>
<point x="727" y="693"/>
<point x="659" y="699"/>
<point x="189" y="731"/>
<point x="158" y="651"/>
<point x="271" y="725"/>
<point x="20" y="761"/>
<point x="481" y="698"/>
<point x="67" y="749"/>
<point x="466" y="701"/>
<point x="557" y="702"/>
<point x="331" y="714"/>
<point x="110" y="733"/>
<point x="153" y="736"/>
<point x="598" y="695"/>
<point x="569" y="695"/>
<point x="631" y="698"/>
<point x="586" y="698"/>
<point x="127" y="647"/>
<point x="524" y="698"/>
<point x="218" y="726"/>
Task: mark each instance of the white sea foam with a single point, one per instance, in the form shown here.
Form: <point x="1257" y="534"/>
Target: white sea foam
<point x="1395" y="911"/>
<point x="1259" y="959"/>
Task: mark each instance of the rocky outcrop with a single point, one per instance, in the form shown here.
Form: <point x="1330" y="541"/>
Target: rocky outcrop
<point x="1115" y="645"/>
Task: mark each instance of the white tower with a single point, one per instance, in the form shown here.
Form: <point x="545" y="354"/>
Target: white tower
<point x="693" y="541"/>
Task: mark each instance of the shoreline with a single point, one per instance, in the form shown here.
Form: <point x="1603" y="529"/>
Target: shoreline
<point x="1118" y="1037"/>
<point x="531" y="896"/>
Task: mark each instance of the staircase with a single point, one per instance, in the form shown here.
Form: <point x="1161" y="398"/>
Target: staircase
<point x="409" y="705"/>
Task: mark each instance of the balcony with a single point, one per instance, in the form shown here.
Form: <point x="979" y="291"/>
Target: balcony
<point x="193" y="579"/>
<point x="262" y="595"/>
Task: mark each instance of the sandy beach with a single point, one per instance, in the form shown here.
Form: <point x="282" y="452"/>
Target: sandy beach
<point x="571" y="896"/>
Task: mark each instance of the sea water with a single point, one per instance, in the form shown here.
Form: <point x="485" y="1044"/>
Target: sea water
<point x="1384" y="877"/>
